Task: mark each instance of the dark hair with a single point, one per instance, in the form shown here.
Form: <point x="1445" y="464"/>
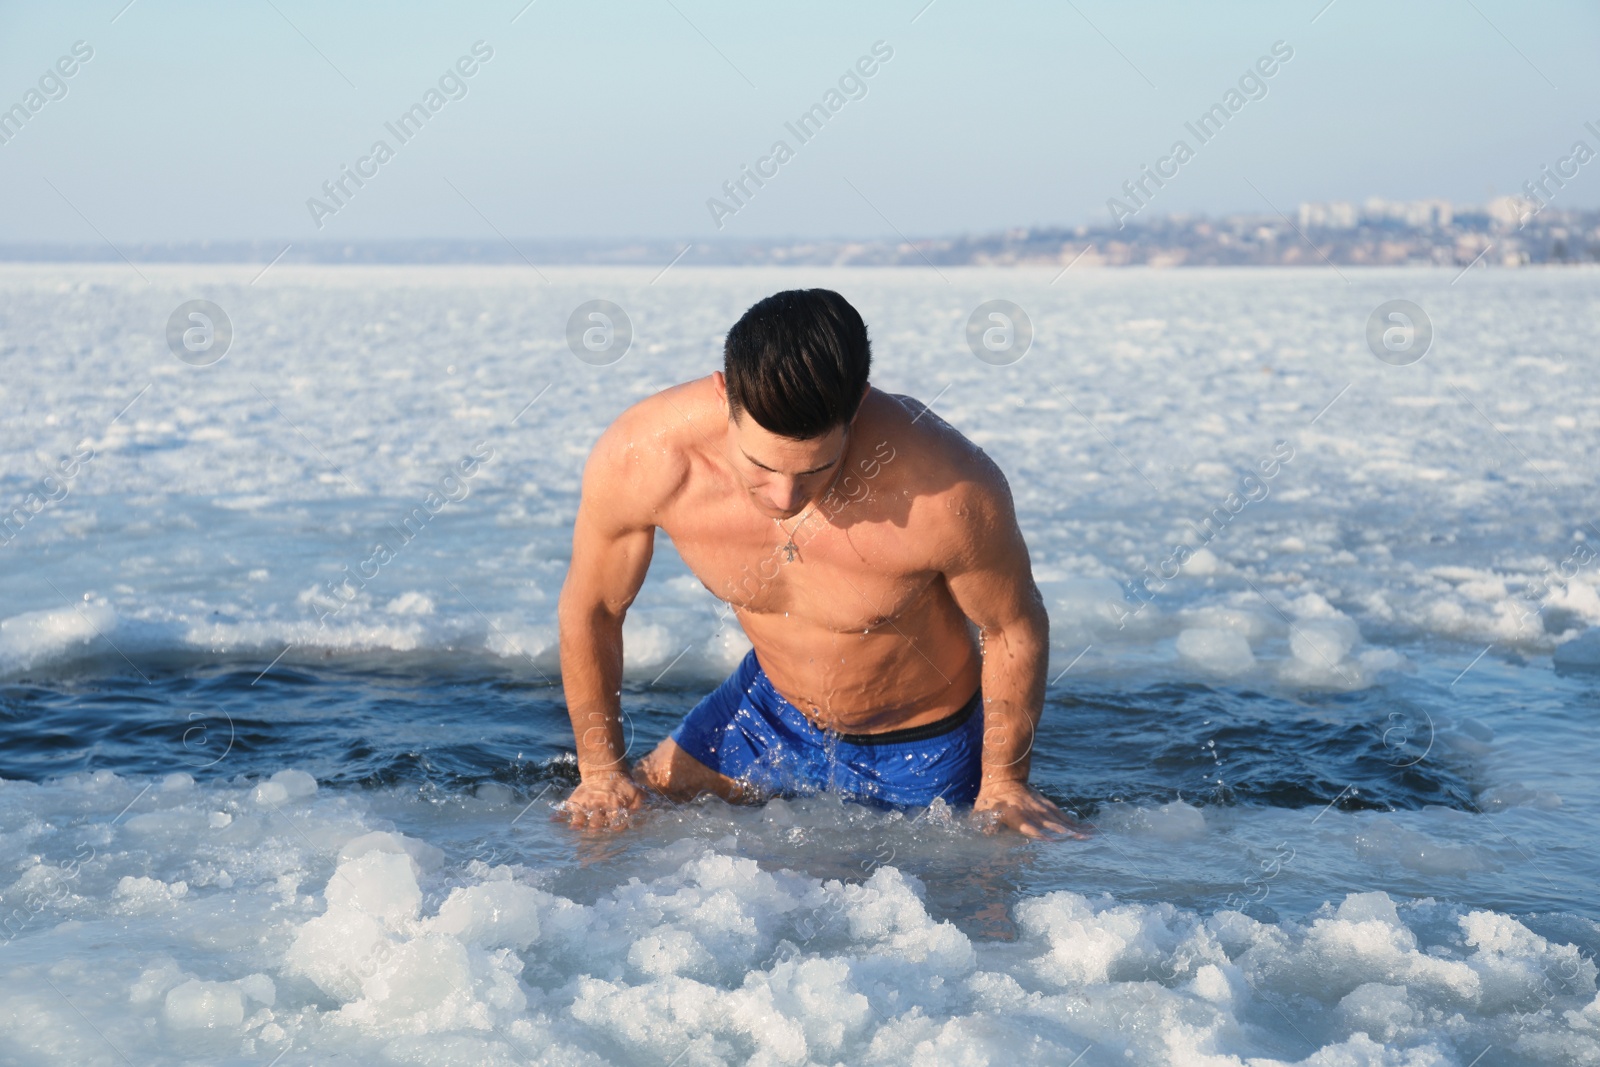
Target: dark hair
<point x="798" y="362"/>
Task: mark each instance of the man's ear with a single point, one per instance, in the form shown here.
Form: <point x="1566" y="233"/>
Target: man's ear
<point x="721" y="385"/>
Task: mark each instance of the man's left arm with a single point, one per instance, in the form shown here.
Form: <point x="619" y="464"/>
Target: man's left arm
<point x="991" y="579"/>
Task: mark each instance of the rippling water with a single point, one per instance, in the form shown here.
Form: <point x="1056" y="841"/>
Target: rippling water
<point x="435" y="724"/>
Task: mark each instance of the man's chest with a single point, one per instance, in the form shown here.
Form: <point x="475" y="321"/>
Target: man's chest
<point x="835" y="569"/>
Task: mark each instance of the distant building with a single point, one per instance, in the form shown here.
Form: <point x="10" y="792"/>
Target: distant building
<point x="1338" y="215"/>
<point x="1418" y="214"/>
<point x="1508" y="212"/>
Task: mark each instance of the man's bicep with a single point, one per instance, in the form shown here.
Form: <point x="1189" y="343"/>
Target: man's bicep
<point x="989" y="573"/>
<point x="613" y="540"/>
<point x="609" y="564"/>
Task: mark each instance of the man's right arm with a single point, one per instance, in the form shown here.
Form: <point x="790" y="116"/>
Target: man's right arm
<point x="613" y="538"/>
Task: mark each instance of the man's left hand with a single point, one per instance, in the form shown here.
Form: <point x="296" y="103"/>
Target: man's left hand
<point x="1028" y="811"/>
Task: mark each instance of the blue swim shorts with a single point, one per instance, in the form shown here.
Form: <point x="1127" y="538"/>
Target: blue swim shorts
<point x="746" y="730"/>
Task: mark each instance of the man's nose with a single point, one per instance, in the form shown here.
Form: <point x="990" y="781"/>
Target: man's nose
<point x="786" y="493"/>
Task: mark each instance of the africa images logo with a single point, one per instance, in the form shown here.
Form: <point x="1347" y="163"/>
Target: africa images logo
<point x="452" y="85"/>
<point x="199" y="332"/>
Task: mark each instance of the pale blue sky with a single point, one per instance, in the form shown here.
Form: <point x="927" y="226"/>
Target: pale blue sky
<point x="610" y="120"/>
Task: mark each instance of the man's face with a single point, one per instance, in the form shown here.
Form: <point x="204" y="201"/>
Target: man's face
<point x="781" y="474"/>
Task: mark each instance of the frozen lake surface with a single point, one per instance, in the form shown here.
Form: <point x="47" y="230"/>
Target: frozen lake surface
<point x="1341" y="760"/>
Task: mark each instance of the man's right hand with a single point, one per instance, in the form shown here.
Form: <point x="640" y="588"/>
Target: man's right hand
<point x="604" y="800"/>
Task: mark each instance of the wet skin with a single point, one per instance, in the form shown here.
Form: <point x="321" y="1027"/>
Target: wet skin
<point x="908" y="584"/>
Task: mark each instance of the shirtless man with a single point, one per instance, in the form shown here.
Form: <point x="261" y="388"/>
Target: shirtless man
<point x="872" y="556"/>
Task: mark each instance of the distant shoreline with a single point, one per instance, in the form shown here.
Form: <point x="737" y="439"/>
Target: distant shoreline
<point x="1382" y="234"/>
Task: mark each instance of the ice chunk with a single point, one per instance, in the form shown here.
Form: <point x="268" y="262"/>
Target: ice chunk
<point x="426" y="856"/>
<point x="1381" y="1011"/>
<point x="284" y="786"/>
<point x="1376" y="660"/>
<point x="1174" y="821"/>
<point x="1381" y="840"/>
<point x="1516" y="795"/>
<point x="1323" y="642"/>
<point x="1091" y="942"/>
<point x="37" y="637"/>
<point x="154" y="981"/>
<point x="425" y="976"/>
<point x="820" y="994"/>
<point x="670" y="952"/>
<point x="491" y="915"/>
<point x="1220" y="652"/>
<point x="259" y="988"/>
<point x="891" y="913"/>
<point x="1582" y="653"/>
<point x="1365" y="940"/>
<point x="410" y="603"/>
<point x="1085" y="604"/>
<point x="1369" y="907"/>
<point x="336" y="950"/>
<point x="1519" y="969"/>
<point x="1314" y="606"/>
<point x="1211" y="983"/>
<point x="1251" y="625"/>
<point x="197" y="1005"/>
<point x="138" y="893"/>
<point x="382" y="885"/>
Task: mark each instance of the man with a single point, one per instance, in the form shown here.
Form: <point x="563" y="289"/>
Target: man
<point x="855" y="535"/>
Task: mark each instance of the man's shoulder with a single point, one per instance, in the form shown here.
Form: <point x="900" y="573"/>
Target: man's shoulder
<point x="642" y="460"/>
<point x="959" y="498"/>
<point x="948" y="466"/>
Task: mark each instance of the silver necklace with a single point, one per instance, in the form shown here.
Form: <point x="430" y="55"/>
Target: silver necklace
<point x="789" y="547"/>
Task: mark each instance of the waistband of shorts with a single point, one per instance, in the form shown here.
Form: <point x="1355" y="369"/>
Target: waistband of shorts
<point x="927" y="731"/>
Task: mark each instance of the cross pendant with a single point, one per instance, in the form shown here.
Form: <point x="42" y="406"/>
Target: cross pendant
<point x="788" y="552"/>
